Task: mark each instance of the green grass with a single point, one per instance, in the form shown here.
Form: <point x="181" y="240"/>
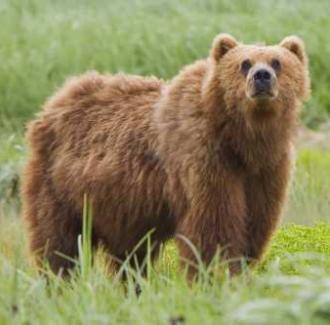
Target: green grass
<point x="309" y="199"/>
<point x="44" y="41"/>
<point x="12" y="157"/>
<point x="291" y="287"/>
<point x="297" y="247"/>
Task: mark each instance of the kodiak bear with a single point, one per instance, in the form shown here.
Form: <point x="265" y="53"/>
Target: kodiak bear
<point x="206" y="155"/>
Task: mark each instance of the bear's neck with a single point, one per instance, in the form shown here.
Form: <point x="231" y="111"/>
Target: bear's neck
<point x="255" y="146"/>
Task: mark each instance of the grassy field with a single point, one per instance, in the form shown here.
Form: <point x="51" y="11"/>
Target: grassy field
<point x="291" y="287"/>
<point x="42" y="42"/>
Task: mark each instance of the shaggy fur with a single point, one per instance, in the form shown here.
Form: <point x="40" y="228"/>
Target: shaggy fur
<point x="199" y="156"/>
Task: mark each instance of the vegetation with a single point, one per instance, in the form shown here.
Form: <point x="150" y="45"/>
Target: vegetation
<point x="310" y="191"/>
<point x="291" y="287"/>
<point x="42" y="42"/>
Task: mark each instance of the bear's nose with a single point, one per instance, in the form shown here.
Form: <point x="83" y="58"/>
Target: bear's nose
<point x="262" y="81"/>
<point x="262" y="75"/>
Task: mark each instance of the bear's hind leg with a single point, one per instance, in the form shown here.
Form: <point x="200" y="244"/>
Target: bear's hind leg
<point x="53" y="237"/>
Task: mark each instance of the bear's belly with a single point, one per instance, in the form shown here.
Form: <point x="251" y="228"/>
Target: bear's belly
<point x="123" y="227"/>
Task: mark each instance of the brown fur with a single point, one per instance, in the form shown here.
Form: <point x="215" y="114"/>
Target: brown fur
<point x="195" y="156"/>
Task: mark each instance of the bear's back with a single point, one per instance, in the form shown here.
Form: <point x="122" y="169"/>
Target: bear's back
<point x="95" y="131"/>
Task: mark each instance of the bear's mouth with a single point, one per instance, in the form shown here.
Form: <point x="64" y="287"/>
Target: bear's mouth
<point x="263" y="94"/>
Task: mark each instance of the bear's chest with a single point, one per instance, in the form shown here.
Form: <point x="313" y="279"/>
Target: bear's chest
<point x="250" y="157"/>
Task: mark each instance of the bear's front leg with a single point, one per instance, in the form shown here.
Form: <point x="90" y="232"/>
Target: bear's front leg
<point x="215" y="221"/>
<point x="265" y="195"/>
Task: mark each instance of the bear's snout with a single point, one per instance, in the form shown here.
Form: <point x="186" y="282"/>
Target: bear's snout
<point x="262" y="79"/>
<point x="262" y="83"/>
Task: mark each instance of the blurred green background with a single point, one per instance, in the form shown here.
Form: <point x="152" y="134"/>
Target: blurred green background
<point x="42" y="42"/>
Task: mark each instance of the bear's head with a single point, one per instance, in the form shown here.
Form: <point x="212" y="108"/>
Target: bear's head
<point x="260" y="78"/>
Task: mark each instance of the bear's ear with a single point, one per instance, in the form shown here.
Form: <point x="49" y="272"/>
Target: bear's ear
<point x="295" y="45"/>
<point x="221" y="45"/>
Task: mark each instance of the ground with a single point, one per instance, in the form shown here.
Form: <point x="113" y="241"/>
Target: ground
<point x="291" y="287"/>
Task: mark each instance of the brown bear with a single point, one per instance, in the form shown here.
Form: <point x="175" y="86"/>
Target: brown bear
<point x="206" y="155"/>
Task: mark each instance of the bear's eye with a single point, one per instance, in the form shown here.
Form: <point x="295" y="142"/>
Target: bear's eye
<point x="276" y="64"/>
<point x="246" y="65"/>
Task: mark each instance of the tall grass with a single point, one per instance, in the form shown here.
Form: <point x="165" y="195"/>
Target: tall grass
<point x="291" y="287"/>
<point x="85" y="240"/>
<point x="42" y="42"/>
